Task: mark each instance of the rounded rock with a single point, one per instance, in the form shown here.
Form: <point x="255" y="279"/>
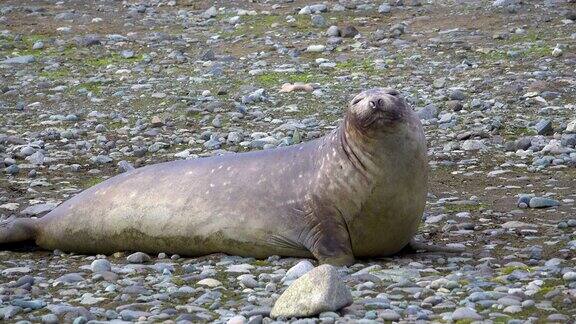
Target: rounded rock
<point x="333" y="31"/>
<point x="238" y="319"/>
<point x="100" y="265"/>
<point x="50" y="319"/>
<point x="138" y="257"/>
<point x="569" y="276"/>
<point x="465" y="313"/>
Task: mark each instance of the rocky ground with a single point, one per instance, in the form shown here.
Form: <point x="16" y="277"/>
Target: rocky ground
<point x="93" y="88"/>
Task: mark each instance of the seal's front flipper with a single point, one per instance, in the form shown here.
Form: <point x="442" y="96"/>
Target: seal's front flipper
<point x="342" y="260"/>
<point x="17" y="230"/>
<point x="330" y="244"/>
<point x="419" y="246"/>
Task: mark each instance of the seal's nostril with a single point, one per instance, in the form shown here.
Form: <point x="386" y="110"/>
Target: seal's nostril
<point x="380" y="103"/>
<point x="372" y="104"/>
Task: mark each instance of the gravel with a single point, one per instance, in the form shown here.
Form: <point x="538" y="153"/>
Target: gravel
<point x="96" y="90"/>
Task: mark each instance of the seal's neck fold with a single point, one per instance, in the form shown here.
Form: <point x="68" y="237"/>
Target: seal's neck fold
<point x="360" y="149"/>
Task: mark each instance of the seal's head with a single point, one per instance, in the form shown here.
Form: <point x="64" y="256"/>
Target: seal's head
<point x="377" y="111"/>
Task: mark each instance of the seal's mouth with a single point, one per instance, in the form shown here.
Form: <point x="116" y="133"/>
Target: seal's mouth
<point x="377" y="112"/>
<point x="380" y="119"/>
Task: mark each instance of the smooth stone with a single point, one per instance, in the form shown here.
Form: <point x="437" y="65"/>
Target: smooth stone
<point x="541" y="202"/>
<point x="512" y="309"/>
<point x="315" y="48"/>
<point x="7" y="312"/>
<point x="16" y="270"/>
<point x="473" y="145"/>
<point x="318" y="21"/>
<point x="100" y="265"/>
<point x="209" y="282"/>
<point x="25" y="59"/>
<point x="428" y="112"/>
<point x="544" y="127"/>
<point x="32" y="304"/>
<point x="138" y="257"/>
<point x="240" y="268"/>
<point x="389" y="315"/>
<point x="248" y="281"/>
<point x="69" y="278"/>
<point x="569" y="276"/>
<point x="384" y="8"/>
<point x="349" y="31"/>
<point x="125" y="166"/>
<point x="50" y="319"/>
<point x="38" y="45"/>
<point x="558" y="318"/>
<point x="319" y="290"/>
<point x="297" y="271"/>
<point x="238" y="319"/>
<point x="89" y="299"/>
<point x="132" y="315"/>
<point x="38" y="209"/>
<point x="333" y="31"/>
<point x="465" y="313"/>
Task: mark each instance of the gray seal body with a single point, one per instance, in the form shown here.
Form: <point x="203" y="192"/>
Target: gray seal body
<point x="357" y="192"/>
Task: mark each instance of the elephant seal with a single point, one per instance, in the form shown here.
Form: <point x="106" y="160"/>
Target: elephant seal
<point x="357" y="192"/>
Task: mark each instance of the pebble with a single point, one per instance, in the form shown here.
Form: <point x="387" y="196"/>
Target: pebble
<point x="384" y="8"/>
<point x="100" y="265"/>
<point x="569" y="276"/>
<point x="32" y="304"/>
<point x="316" y="48"/>
<point x="238" y="319"/>
<point x="389" y="315"/>
<point x="465" y="313"/>
<point x="138" y="257"/>
<point x="544" y="127"/>
<point x="334" y="31"/>
<point x="297" y="271"/>
<point x="38" y="45"/>
<point x="542" y="202"/>
<point x="25" y="59"/>
<point x="209" y="282"/>
<point x="349" y="31"/>
<point x="50" y="319"/>
<point x="107" y="89"/>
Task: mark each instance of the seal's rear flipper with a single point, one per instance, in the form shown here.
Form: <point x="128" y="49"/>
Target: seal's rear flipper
<point x="17" y="230"/>
<point x="419" y="246"/>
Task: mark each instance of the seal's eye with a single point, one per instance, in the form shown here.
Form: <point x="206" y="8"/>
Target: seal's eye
<point x="357" y="100"/>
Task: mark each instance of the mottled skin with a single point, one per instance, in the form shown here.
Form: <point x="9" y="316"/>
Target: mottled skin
<point x="357" y="192"/>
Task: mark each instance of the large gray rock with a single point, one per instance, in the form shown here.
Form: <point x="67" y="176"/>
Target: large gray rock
<point x="319" y="290"/>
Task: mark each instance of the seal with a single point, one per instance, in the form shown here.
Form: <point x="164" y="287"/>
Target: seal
<point x="358" y="192"/>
